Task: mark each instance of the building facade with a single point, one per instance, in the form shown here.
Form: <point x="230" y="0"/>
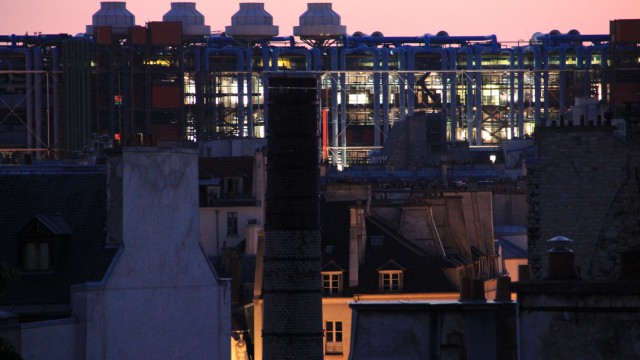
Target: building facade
<point x="175" y="80"/>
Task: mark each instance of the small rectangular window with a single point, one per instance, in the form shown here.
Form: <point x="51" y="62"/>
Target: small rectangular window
<point x="36" y="256"/>
<point x="332" y="283"/>
<point x="377" y="240"/>
<point x="390" y="281"/>
<point x="232" y="223"/>
<point x="333" y="337"/>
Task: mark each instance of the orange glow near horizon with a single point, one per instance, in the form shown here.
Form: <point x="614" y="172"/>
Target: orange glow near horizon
<point x="510" y="21"/>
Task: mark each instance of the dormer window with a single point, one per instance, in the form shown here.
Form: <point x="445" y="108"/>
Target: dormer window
<point x="332" y="283"/>
<point x="390" y="281"/>
<point x="41" y="242"/>
<point x="36" y="255"/>
<point x="391" y="277"/>
<point x="332" y="279"/>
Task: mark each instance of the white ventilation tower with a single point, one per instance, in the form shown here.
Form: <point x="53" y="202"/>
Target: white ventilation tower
<point x="192" y="20"/>
<point x="319" y="24"/>
<point x="252" y="21"/>
<point x="115" y="15"/>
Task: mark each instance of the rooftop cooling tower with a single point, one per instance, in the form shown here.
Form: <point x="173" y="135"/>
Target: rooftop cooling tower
<point x="192" y="20"/>
<point x="252" y="21"/>
<point x="113" y="14"/>
<point x="319" y="21"/>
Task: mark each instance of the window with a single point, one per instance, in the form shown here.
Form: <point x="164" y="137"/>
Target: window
<point x="36" y="256"/>
<point x="376" y="240"/>
<point x="332" y="283"/>
<point x="209" y="194"/>
<point x="232" y="223"/>
<point x="333" y="337"/>
<point x="390" y="280"/>
<point x="233" y="187"/>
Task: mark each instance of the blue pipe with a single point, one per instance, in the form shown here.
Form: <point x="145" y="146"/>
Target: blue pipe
<point x="587" y="75"/>
<point x="249" y="80"/>
<point x="316" y="56"/>
<point x="553" y="40"/>
<point x="469" y="99"/>
<point x="521" y="118"/>
<point x="426" y="39"/>
<point x="376" y="98"/>
<point x="536" y="78"/>
<point x="562" y="50"/>
<point x="453" y="97"/>
<point x="385" y="92"/>
<point x="56" y="105"/>
<point x="291" y="39"/>
<point x="220" y="41"/>
<point x="37" y="66"/>
<point x="402" y="101"/>
<point x="343" y="115"/>
<point x="200" y="134"/>
<point x="334" y="103"/>
<point x="479" y="49"/>
<point x="545" y="84"/>
<point x="604" y="79"/>
<point x="512" y="90"/>
<point x="29" y="91"/>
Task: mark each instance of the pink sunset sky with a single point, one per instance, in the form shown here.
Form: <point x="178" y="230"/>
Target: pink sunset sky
<point x="510" y="20"/>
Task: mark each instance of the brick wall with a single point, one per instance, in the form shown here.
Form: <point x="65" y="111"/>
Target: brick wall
<point x="571" y="189"/>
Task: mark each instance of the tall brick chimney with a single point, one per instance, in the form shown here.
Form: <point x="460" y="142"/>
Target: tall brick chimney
<point x="292" y="323"/>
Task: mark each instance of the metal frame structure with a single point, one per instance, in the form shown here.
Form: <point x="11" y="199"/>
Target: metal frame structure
<point x="136" y="90"/>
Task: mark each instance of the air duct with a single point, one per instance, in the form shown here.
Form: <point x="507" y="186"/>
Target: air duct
<point x="192" y="20"/>
<point x="319" y="21"/>
<point x="252" y="21"/>
<point x="112" y="14"/>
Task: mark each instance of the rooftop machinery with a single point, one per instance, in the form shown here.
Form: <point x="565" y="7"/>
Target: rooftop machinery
<point x="175" y="80"/>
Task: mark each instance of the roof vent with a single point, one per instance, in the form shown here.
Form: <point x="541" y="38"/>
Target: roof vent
<point x="319" y="21"/>
<point x="192" y="20"/>
<point x="252" y="21"/>
<point x="113" y="14"/>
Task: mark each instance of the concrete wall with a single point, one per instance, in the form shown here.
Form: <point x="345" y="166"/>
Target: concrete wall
<point x="579" y="320"/>
<point x="46" y="340"/>
<point x="428" y="330"/>
<point x="161" y="299"/>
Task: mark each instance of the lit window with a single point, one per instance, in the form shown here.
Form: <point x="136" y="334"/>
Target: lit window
<point x="332" y="283"/>
<point x="390" y="280"/>
<point x="333" y="336"/>
<point x="232" y="223"/>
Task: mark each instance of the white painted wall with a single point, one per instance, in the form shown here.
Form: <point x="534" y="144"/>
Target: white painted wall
<point x="161" y="299"/>
<point x="213" y="227"/>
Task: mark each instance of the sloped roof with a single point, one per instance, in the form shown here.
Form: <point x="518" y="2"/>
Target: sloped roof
<point x="78" y="201"/>
<point x="511" y="250"/>
<point x="55" y="223"/>
<point x="422" y="273"/>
